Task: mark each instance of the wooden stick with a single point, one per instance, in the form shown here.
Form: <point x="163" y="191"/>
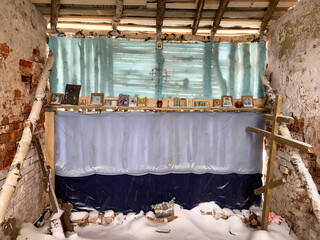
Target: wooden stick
<point x="285" y="119"/>
<point x="198" y="16"/>
<point x="260" y="132"/>
<point x="161" y="7"/>
<point x="271" y="9"/>
<point x="272" y="185"/>
<point x="217" y="18"/>
<point x="55" y="7"/>
<point x="116" y="17"/>
<point x="24" y="144"/>
<point x="271" y="163"/>
<point x="294" y="143"/>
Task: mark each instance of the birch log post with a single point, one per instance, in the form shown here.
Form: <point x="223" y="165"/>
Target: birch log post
<point x="14" y="172"/>
<point x="295" y="158"/>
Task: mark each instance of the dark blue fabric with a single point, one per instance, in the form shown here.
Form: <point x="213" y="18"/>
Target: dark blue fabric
<point x="134" y="193"/>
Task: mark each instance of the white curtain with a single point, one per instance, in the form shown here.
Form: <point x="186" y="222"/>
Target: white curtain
<point x="139" y="143"/>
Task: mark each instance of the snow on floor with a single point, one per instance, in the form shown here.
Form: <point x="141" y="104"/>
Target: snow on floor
<point x="190" y="225"/>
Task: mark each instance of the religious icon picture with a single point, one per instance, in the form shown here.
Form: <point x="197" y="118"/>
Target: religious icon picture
<point x="183" y="102"/>
<point x="71" y="95"/>
<point x="82" y="101"/>
<point x="107" y="102"/>
<point x="198" y="103"/>
<point x="133" y="102"/>
<point x="159" y="45"/>
<point x="216" y="102"/>
<point x="247" y="101"/>
<point x="56" y="99"/>
<point x="176" y="102"/>
<point x="123" y="100"/>
<point x="226" y="101"/>
<point x="97" y="99"/>
<point x="189" y="103"/>
<point x="142" y="102"/>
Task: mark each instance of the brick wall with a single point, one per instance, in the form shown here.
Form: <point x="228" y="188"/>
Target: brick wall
<point x="22" y="53"/>
<point x="294" y="60"/>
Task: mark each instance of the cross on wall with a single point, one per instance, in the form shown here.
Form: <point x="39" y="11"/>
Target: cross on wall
<point x="274" y="139"/>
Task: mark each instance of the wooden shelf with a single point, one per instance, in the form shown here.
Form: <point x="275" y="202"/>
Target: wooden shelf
<point x="150" y="109"/>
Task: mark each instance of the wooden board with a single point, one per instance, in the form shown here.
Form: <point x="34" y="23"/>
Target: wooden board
<point x="49" y="144"/>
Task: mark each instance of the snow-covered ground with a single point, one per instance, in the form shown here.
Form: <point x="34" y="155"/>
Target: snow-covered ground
<point x="190" y="225"/>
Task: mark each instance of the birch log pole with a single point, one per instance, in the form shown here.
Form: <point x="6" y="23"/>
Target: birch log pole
<point x="295" y="158"/>
<point x="14" y="172"/>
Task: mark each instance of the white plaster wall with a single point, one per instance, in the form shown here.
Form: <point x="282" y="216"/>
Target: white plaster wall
<point x="294" y="60"/>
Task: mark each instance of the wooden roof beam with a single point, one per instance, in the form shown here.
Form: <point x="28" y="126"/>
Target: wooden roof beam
<point x="267" y="16"/>
<point x="218" y="16"/>
<point x="55" y="7"/>
<point x="197" y="17"/>
<point x="116" y="17"/>
<point x="161" y="7"/>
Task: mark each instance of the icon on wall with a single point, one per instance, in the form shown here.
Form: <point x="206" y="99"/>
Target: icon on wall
<point x="72" y="93"/>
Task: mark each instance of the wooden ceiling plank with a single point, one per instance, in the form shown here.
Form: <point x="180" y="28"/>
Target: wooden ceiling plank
<point x="94" y="2"/>
<point x="55" y="6"/>
<point x="270" y="11"/>
<point x="161" y="7"/>
<point x="218" y="16"/>
<point x="197" y="17"/>
<point x="116" y="17"/>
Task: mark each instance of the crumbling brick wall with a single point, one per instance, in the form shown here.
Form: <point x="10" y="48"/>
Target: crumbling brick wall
<point x="294" y="60"/>
<point x="22" y="57"/>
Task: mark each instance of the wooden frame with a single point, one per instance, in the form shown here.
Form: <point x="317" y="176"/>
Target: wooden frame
<point x="183" y="102"/>
<point x="123" y="100"/>
<point x="107" y="102"/>
<point x="95" y="99"/>
<point x="199" y="103"/>
<point x="82" y="101"/>
<point x="246" y="102"/>
<point x="176" y="102"/>
<point x="225" y="101"/>
<point x="133" y="101"/>
<point x="56" y="99"/>
<point x="142" y="101"/>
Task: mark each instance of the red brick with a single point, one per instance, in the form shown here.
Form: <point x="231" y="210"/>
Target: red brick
<point x="27" y="109"/>
<point x="25" y="63"/>
<point x="5" y="120"/>
<point x="4" y="138"/>
<point x="3" y="156"/>
<point x="36" y="52"/>
<point x="17" y="93"/>
<point x="4" y="48"/>
<point x="7" y="162"/>
<point x="12" y="152"/>
<point x="17" y="125"/>
<point x="18" y="134"/>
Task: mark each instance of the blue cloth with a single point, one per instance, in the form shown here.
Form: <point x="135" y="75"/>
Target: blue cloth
<point x="126" y="193"/>
<point x="186" y="70"/>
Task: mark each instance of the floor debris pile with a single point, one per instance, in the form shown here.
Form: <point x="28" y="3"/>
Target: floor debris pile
<point x="206" y="221"/>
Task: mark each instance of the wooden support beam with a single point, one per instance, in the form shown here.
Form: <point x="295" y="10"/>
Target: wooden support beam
<point x="272" y="185"/>
<point x="280" y="118"/>
<point x="116" y="17"/>
<point x="294" y="143"/>
<point x="271" y="163"/>
<point x="197" y="18"/>
<point x="161" y="7"/>
<point x="55" y="7"/>
<point x="267" y="16"/>
<point x="260" y="131"/>
<point x="217" y="19"/>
